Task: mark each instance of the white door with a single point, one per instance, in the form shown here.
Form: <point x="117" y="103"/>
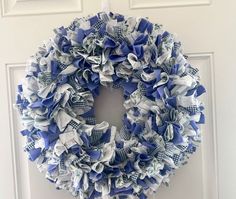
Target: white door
<point x="207" y="29"/>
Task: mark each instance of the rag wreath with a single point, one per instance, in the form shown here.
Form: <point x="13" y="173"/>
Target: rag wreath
<point x="161" y="124"/>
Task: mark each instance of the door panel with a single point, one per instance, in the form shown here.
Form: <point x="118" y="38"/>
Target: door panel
<point x="208" y="39"/>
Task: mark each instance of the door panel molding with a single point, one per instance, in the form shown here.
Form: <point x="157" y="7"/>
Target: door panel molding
<point x="210" y="173"/>
<point x="39" y="7"/>
<point x="19" y="180"/>
<point x="140" y="4"/>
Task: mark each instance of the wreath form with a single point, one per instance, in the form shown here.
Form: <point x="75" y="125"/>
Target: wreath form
<point x="161" y="124"/>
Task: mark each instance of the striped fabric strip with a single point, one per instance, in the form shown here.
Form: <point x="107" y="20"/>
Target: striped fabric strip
<point x="166" y="68"/>
<point x="96" y="136"/>
<point x="141" y="88"/>
<point x="104" y="17"/>
<point x="190" y="109"/>
<point x="81" y="104"/>
<point x="137" y="74"/>
<point x="155" y="151"/>
<point x="184" y="74"/>
<point x="90" y="120"/>
<point x="73" y="83"/>
<point x="122" y="154"/>
<point x="62" y="166"/>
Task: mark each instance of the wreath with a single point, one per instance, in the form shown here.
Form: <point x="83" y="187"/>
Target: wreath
<point x="161" y="124"/>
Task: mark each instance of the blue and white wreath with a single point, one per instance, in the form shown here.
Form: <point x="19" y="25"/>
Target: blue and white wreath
<point x="161" y="124"/>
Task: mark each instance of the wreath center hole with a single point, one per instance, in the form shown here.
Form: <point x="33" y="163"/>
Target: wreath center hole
<point x="109" y="106"/>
